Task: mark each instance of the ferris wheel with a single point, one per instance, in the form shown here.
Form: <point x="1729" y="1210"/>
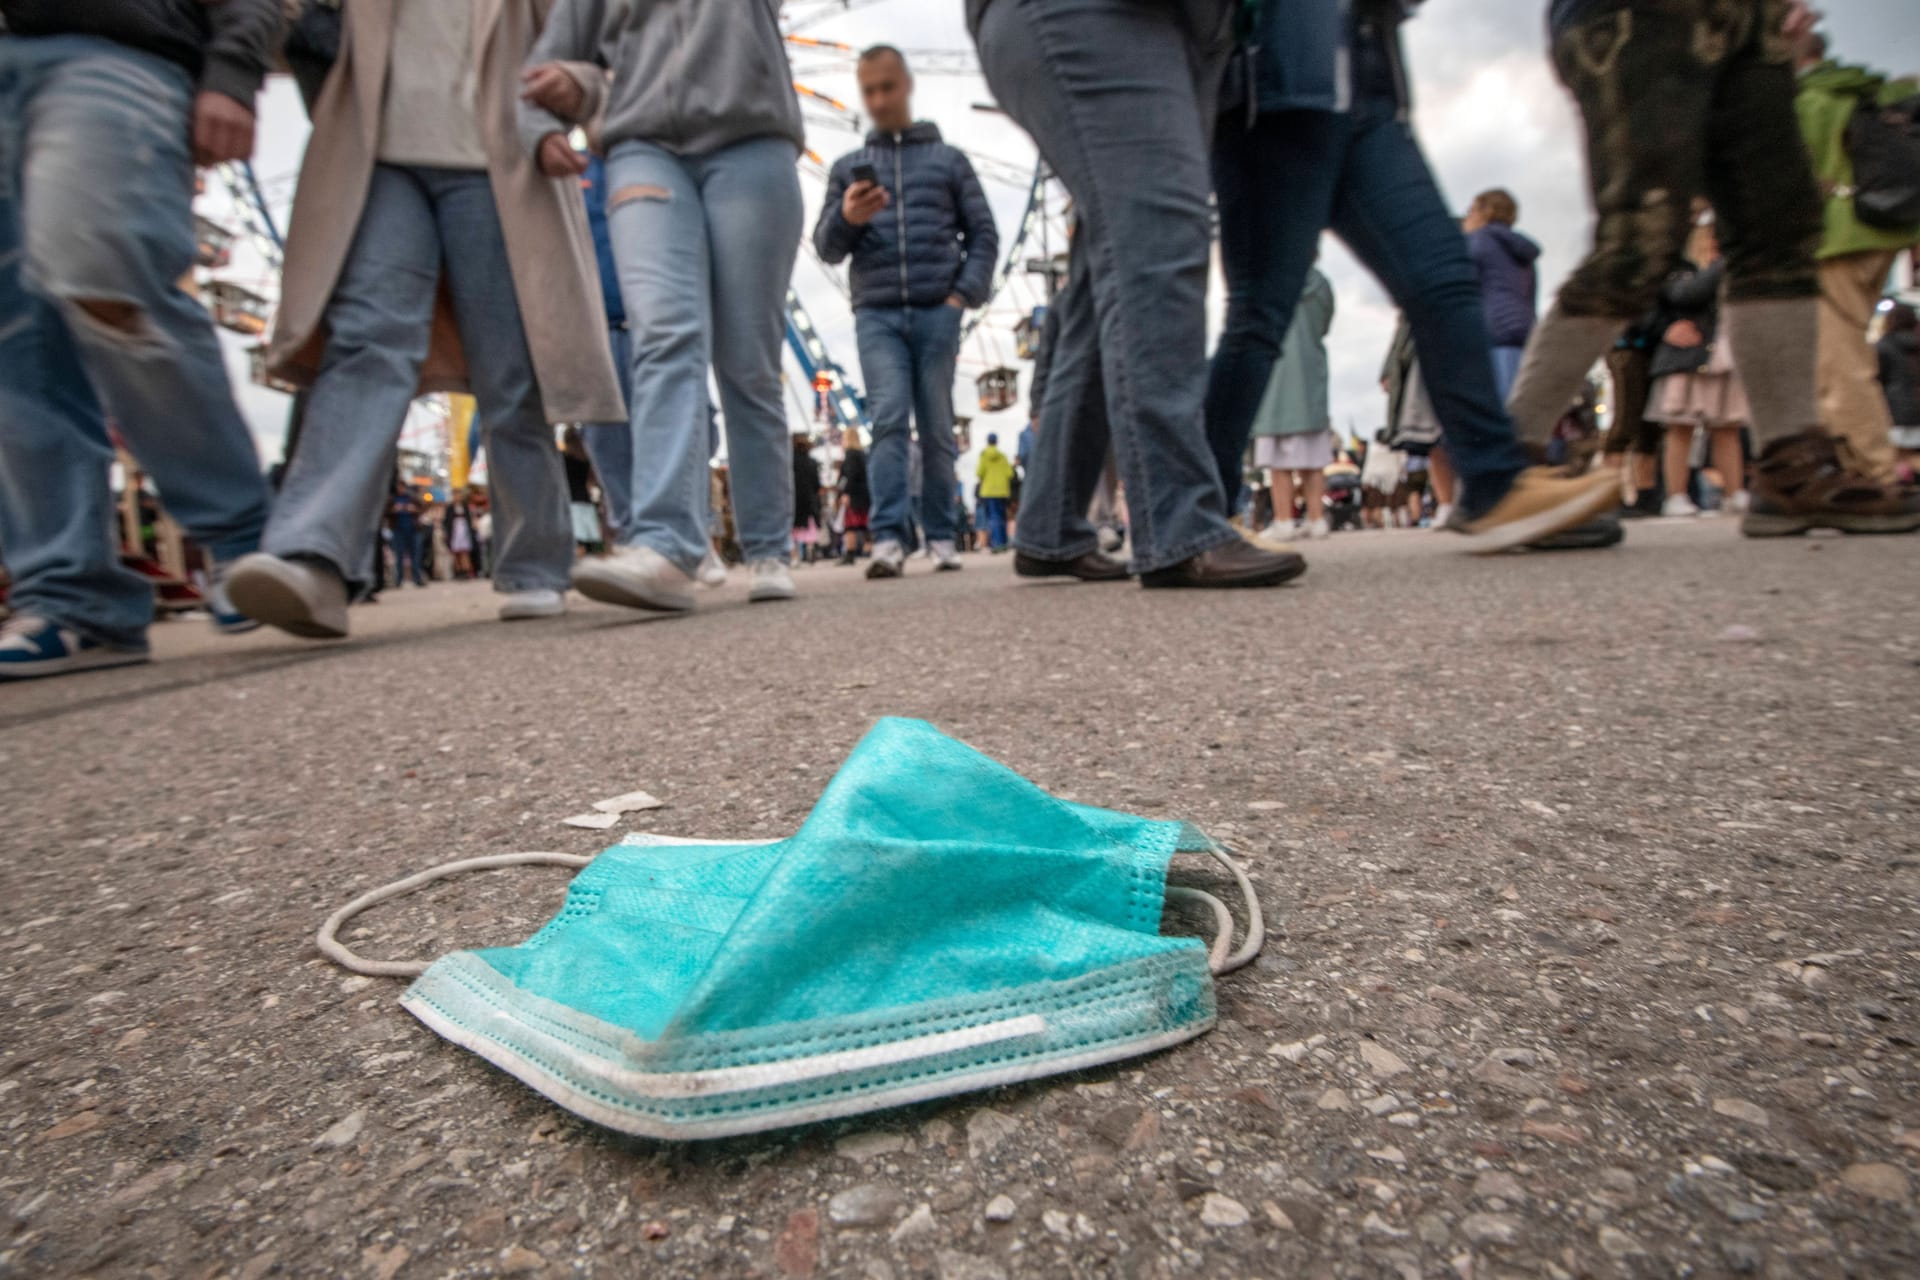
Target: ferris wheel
<point x="240" y="246"/>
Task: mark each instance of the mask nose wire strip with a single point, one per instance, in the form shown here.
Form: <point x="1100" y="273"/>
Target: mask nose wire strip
<point x="333" y="949"/>
<point x="1219" y="959"/>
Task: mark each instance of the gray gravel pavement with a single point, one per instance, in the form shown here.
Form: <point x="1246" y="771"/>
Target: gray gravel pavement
<point x="1595" y="875"/>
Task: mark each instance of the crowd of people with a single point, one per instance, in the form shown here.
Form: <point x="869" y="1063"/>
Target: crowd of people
<point x="449" y="234"/>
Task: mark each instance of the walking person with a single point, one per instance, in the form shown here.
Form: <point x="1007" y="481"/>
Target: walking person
<point x="1313" y="135"/>
<point x="403" y="526"/>
<point x="1690" y="98"/>
<point x="1293" y="440"/>
<point x="414" y="179"/>
<point x="855" y="498"/>
<point x="1855" y="256"/>
<point x="104" y="112"/>
<point x="806" y="498"/>
<point x="994" y="471"/>
<point x="1509" y="279"/>
<point x="909" y="212"/>
<point x="701" y="130"/>
<point x="1119" y="96"/>
<point x="1695" y="385"/>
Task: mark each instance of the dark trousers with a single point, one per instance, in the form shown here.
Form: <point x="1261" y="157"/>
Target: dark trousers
<point x="1281" y="182"/>
<point x="1689" y="98"/>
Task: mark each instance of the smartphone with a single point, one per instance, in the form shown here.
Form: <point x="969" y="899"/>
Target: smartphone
<point x="865" y="173"/>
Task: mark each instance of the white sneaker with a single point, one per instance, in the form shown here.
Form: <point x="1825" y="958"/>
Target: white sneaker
<point x="772" y="580"/>
<point x="946" y="559"/>
<point x="1442" y="516"/>
<point x="1736" y="503"/>
<point x="889" y="560"/>
<point x="1279" y="534"/>
<point x="636" y="577"/>
<point x="542" y="603"/>
<point x="300" y="597"/>
<point x="1319" y="529"/>
<point x="1678" y="504"/>
<point x="1111" y="539"/>
<point x="713" y="570"/>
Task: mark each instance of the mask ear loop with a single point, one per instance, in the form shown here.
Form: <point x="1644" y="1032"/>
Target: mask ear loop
<point x="333" y="949"/>
<point x="1221" y="958"/>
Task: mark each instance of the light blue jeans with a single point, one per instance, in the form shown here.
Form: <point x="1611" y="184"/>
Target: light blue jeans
<point x="415" y="223"/>
<point x="907" y="356"/>
<point x="96" y="190"/>
<point x="705" y="246"/>
<point x="1119" y="95"/>
<point x="610" y="444"/>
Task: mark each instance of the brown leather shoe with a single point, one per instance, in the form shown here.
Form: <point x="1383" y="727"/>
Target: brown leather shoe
<point x="1812" y="480"/>
<point x="1231" y="564"/>
<point x="1091" y="567"/>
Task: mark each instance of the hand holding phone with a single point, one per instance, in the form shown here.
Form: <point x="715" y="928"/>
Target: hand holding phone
<point x="864" y="197"/>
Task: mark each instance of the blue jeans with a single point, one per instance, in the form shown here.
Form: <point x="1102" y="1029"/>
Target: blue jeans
<point x="610" y="444"/>
<point x="1119" y="96"/>
<point x="907" y="356"/>
<point x="1361" y="174"/>
<point x="406" y="554"/>
<point x="416" y="224"/>
<point x="96" y="190"/>
<point x="994" y="512"/>
<point x="705" y="245"/>
<point x="1506" y="367"/>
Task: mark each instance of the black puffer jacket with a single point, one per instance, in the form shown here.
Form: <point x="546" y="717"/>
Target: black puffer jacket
<point x="1693" y="294"/>
<point x="1900" y="376"/>
<point x="224" y="46"/>
<point x="934" y="239"/>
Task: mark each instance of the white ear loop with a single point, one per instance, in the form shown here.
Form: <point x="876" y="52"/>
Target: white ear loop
<point x="1220" y="956"/>
<point x="333" y="949"/>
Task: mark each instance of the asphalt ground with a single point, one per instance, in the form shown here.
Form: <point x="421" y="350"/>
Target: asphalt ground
<point x="1593" y="876"/>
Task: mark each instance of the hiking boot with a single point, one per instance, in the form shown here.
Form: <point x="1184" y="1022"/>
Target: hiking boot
<point x="1812" y="480"/>
<point x="1542" y="502"/>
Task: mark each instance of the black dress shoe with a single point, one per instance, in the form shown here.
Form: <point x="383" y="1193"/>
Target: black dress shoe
<point x="1231" y="564"/>
<point x="1601" y="531"/>
<point x="1091" y="567"/>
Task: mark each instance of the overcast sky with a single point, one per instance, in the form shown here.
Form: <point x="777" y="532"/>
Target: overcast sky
<point x="1489" y="112"/>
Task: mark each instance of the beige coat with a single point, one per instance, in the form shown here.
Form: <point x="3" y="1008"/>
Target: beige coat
<point x="555" y="274"/>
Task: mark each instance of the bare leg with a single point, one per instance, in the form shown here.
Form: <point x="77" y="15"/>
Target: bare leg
<point x="1314" y="493"/>
<point x="1281" y="482"/>
<point x="1728" y="461"/>
<point x="1679" y="449"/>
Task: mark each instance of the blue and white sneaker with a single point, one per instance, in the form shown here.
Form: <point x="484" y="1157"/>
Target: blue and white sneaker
<point x="227" y="620"/>
<point x="30" y="646"/>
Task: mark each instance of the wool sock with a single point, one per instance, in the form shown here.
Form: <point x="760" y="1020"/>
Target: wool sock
<point x="1562" y="351"/>
<point x="1774" y="340"/>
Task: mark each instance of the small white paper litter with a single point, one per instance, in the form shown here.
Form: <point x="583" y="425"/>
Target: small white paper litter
<point x="631" y="802"/>
<point x="592" y="821"/>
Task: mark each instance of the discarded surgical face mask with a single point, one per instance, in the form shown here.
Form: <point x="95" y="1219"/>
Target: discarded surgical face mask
<point x="939" y="924"/>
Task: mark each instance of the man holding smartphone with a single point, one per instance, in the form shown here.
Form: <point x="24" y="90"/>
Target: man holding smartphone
<point x="909" y="212"/>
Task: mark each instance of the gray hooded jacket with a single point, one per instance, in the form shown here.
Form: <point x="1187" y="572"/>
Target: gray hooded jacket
<point x="691" y="76"/>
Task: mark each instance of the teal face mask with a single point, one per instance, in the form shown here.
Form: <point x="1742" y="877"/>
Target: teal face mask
<point x="939" y="924"/>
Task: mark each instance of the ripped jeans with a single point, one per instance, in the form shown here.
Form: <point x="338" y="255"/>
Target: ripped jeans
<point x="96" y="230"/>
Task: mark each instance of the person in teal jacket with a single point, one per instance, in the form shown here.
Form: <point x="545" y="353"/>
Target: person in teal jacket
<point x="1293" y="428"/>
<point x="1855" y="259"/>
